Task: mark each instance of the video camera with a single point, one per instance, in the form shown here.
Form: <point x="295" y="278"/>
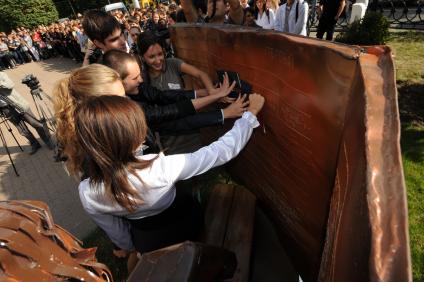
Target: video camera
<point x="31" y="81"/>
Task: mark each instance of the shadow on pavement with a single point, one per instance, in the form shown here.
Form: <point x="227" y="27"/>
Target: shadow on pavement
<point x="58" y="64"/>
<point x="40" y="178"/>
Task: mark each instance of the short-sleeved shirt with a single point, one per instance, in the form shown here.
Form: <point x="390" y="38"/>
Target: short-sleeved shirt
<point x="171" y="78"/>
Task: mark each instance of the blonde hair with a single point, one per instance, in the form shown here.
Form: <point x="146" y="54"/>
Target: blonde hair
<point x="274" y="4"/>
<point x="85" y="82"/>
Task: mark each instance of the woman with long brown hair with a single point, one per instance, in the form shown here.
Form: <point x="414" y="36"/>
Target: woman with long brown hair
<point x="132" y="197"/>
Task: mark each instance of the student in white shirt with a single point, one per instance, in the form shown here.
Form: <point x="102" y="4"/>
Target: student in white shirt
<point x="131" y="196"/>
<point x="265" y="17"/>
<point x="292" y="17"/>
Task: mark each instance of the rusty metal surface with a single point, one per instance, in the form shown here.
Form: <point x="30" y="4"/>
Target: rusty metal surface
<point x="33" y="248"/>
<point x="326" y="162"/>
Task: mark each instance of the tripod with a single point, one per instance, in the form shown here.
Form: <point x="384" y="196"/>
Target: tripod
<point x="44" y="112"/>
<point x="4" y="121"/>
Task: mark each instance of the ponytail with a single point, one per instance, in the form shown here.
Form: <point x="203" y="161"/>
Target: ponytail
<point x="85" y="82"/>
<point x="64" y="106"/>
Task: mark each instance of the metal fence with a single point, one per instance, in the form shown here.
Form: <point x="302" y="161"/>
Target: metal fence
<point x="401" y="14"/>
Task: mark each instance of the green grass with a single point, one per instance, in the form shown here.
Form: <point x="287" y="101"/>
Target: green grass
<point x="408" y="48"/>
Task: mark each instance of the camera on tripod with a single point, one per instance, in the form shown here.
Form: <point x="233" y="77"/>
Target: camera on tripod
<point x="31" y="81"/>
<point x="39" y="97"/>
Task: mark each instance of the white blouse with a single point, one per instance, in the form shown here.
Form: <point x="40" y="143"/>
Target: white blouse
<point x="157" y="189"/>
<point x="266" y="22"/>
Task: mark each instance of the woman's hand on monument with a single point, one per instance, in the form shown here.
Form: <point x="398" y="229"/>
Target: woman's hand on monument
<point x="237" y="108"/>
<point x="256" y="103"/>
<point x="225" y="88"/>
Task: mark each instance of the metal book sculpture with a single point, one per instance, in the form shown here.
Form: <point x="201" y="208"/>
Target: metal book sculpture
<point x="326" y="165"/>
<point x="33" y="248"/>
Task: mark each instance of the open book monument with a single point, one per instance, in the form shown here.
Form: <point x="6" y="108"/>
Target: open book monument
<point x="326" y="165"/>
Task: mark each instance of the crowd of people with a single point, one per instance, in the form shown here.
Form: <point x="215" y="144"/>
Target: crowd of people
<point x="22" y="45"/>
<point x="68" y="39"/>
<point x="130" y="152"/>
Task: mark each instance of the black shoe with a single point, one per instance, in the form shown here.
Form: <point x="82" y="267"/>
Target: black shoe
<point x="34" y="148"/>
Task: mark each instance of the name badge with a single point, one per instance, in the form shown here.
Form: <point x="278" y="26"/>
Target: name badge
<point x="174" y="86"/>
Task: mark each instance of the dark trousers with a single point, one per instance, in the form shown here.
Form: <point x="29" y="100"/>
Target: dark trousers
<point x="182" y="221"/>
<point x="7" y="60"/>
<point x="326" y="25"/>
<point x="26" y="56"/>
<point x="20" y="120"/>
<point x="18" y="57"/>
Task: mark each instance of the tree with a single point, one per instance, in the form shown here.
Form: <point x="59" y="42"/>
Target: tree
<point x="27" y="13"/>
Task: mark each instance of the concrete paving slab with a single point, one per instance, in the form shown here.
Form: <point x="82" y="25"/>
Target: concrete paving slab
<point x="40" y="177"/>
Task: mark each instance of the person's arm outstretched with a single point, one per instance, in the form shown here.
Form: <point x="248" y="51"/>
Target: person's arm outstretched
<point x="179" y="167"/>
<point x="195" y="72"/>
<point x="203" y="119"/>
<point x="220" y="92"/>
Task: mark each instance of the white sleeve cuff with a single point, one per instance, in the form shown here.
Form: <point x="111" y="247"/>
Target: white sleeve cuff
<point x="251" y="118"/>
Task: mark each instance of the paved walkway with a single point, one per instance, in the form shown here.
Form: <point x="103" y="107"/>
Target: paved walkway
<point x="40" y="177"/>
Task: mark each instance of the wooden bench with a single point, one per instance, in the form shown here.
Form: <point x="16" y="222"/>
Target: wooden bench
<point x="229" y="220"/>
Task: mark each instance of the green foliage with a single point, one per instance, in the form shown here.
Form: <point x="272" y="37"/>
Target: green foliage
<point x="373" y="29"/>
<point x="27" y="13"/>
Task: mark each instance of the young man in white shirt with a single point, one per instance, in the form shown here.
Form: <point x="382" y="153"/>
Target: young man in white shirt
<point x="292" y="17"/>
